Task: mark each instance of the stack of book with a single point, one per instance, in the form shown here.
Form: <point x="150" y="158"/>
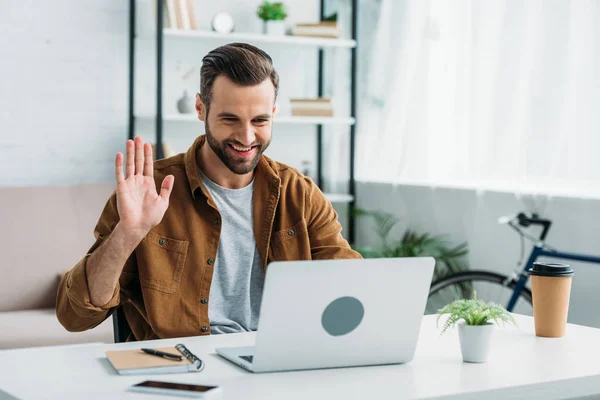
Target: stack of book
<point x="329" y="29"/>
<point x="320" y="107"/>
<point x="179" y="14"/>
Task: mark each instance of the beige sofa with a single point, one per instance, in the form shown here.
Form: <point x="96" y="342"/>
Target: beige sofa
<point x="46" y="230"/>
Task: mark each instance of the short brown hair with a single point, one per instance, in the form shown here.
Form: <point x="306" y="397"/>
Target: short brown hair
<point x="244" y="64"/>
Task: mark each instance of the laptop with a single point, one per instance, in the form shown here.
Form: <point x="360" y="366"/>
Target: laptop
<point x="337" y="313"/>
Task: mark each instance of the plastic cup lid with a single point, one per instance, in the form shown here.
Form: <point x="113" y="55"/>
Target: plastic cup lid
<point x="551" y="269"/>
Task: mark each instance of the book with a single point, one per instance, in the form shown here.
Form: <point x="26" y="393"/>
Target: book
<point x="185" y="15"/>
<point x="320" y="29"/>
<point x="314" y="32"/>
<point x="317" y="106"/>
<point x="320" y="107"/>
<point x="136" y="362"/>
<point x="312" y="112"/>
<point x="192" y="12"/>
<point x="171" y="13"/>
<point x="166" y="20"/>
<point x="331" y="24"/>
<point x="177" y="12"/>
<point x="317" y="101"/>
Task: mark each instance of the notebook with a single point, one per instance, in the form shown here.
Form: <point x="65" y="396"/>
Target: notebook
<point x="132" y="362"/>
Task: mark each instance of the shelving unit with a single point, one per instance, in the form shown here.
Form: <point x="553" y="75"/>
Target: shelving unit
<point x="320" y="44"/>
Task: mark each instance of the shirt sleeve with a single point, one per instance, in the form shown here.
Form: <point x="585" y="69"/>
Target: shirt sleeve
<point x="74" y="309"/>
<point x="324" y="228"/>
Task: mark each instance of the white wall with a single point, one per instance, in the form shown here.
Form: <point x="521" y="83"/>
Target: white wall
<point x="466" y="215"/>
<point x="63" y="90"/>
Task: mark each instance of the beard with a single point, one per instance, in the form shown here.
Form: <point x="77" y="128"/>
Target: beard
<point x="237" y="165"/>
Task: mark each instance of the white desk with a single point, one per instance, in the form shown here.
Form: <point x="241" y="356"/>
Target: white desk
<point x="520" y="366"/>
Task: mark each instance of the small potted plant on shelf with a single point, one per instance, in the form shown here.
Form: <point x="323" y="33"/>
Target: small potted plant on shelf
<point x="273" y="15"/>
<point x="475" y="325"/>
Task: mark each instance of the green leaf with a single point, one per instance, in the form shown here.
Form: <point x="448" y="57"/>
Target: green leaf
<point x="474" y="312"/>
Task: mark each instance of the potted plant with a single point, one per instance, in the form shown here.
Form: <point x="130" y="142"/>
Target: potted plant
<point x="273" y="15"/>
<point x="449" y="259"/>
<point x="475" y="320"/>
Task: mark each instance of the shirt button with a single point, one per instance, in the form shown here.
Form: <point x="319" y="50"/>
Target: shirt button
<point x="205" y="329"/>
<point x="162" y="241"/>
<point x="291" y="232"/>
<point x="210" y="261"/>
<point x="204" y="300"/>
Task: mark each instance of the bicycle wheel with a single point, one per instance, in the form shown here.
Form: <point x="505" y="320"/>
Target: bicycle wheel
<point x="490" y="286"/>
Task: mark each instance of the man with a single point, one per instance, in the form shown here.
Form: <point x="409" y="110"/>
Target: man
<point x="183" y="244"/>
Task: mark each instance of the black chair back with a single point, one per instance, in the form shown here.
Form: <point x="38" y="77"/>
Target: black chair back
<point x="121" y="328"/>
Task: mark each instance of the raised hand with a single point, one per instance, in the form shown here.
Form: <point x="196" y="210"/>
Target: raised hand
<point x="139" y="205"/>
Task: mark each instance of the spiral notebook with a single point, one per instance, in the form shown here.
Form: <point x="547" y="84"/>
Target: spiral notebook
<point x="136" y="362"/>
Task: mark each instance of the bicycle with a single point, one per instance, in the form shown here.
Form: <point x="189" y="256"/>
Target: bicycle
<point x="512" y="289"/>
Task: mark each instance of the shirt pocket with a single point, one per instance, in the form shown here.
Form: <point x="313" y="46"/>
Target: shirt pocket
<point x="291" y="244"/>
<point x="160" y="262"/>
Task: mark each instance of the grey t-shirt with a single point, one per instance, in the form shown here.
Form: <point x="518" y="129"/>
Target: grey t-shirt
<point x="238" y="277"/>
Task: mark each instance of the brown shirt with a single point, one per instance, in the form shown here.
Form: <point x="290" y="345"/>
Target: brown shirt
<point x="165" y="283"/>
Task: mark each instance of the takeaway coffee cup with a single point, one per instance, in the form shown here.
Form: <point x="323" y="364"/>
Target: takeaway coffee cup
<point x="551" y="290"/>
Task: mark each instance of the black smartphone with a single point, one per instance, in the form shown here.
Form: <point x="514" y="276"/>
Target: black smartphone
<point x="178" y="389"/>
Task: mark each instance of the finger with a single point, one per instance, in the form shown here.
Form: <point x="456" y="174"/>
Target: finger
<point x="167" y="187"/>
<point x="119" y="168"/>
<point x="139" y="155"/>
<point x="148" y="161"/>
<point x="129" y="166"/>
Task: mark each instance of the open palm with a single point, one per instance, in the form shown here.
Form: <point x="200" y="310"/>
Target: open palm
<point x="139" y="205"/>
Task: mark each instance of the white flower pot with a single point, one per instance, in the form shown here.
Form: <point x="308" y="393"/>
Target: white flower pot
<point x="275" y="28"/>
<point x="475" y="341"/>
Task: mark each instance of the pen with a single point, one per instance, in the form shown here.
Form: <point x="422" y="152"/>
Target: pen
<point x="159" y="353"/>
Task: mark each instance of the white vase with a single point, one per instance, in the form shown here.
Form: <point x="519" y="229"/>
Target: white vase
<point x="275" y="28"/>
<point x="185" y="104"/>
<point x="475" y="341"/>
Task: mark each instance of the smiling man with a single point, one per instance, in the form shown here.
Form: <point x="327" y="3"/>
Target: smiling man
<point x="183" y="244"/>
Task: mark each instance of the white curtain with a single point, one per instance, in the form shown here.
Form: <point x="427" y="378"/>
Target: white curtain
<point x="498" y="94"/>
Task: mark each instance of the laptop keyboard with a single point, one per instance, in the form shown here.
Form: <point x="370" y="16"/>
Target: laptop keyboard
<point x="247" y="358"/>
